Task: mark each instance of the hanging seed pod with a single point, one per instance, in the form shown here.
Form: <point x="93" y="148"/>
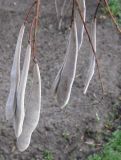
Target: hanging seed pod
<point x="79" y="23"/>
<point x="67" y="73"/>
<point x="15" y="77"/>
<point x="92" y="60"/>
<point x="80" y="32"/>
<point x="61" y="8"/>
<point x="58" y="76"/>
<point x="20" y="113"/>
<point x="32" y="113"/>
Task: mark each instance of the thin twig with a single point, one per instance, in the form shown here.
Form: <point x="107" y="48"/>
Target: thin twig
<point x="79" y="9"/>
<point x="96" y="11"/>
<point x="72" y="14"/>
<point x="112" y="17"/>
<point x="36" y="27"/>
<point x="31" y="41"/>
<point x="29" y="11"/>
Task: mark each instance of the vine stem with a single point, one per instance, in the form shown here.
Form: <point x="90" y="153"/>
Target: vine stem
<point x="80" y="12"/>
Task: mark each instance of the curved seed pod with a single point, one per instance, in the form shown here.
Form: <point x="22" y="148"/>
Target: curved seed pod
<point x="20" y="113"/>
<point x="15" y="77"/>
<point x="79" y="23"/>
<point x="69" y="69"/>
<point x="92" y="61"/>
<point x="58" y="76"/>
<point x="32" y="111"/>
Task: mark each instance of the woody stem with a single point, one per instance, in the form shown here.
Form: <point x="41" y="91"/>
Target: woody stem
<point x="36" y="27"/>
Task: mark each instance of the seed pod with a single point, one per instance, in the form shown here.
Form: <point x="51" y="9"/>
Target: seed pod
<point x="15" y="77"/>
<point x="92" y="60"/>
<point x="32" y="111"/>
<point x="61" y="8"/>
<point x="79" y="23"/>
<point x="58" y="76"/>
<point x="20" y="113"/>
<point x="67" y="75"/>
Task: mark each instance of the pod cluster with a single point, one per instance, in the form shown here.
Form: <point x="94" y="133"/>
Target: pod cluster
<point x="63" y="83"/>
<point x="24" y="118"/>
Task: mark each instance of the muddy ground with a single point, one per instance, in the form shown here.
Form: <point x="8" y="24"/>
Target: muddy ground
<point x="65" y="133"/>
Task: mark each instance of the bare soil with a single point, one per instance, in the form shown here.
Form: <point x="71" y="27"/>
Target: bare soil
<point x="69" y="134"/>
